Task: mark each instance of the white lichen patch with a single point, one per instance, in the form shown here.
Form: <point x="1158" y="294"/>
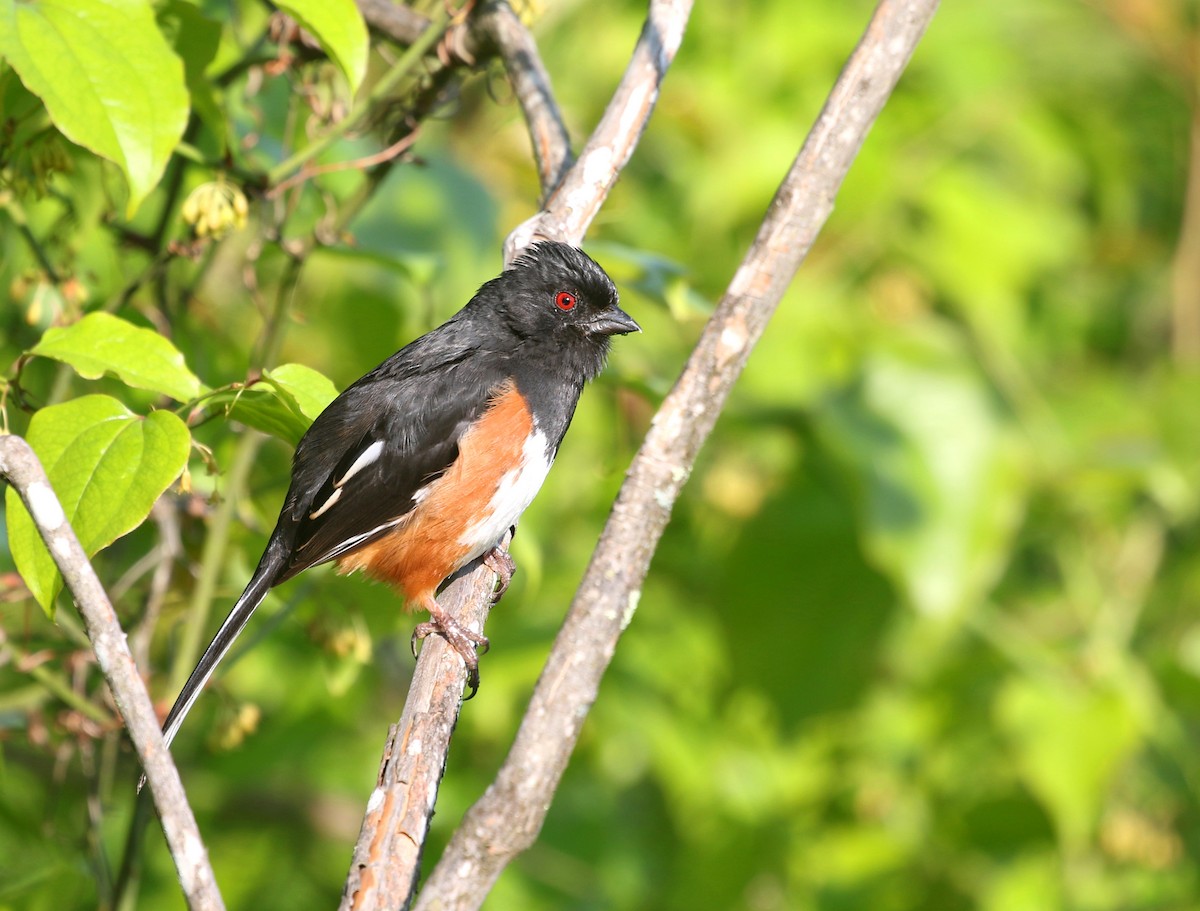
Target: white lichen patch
<point x="375" y="801"/>
<point x="631" y="606"/>
<point x="44" y="506"/>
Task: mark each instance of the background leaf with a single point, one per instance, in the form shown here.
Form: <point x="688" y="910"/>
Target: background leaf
<point x="101" y="343"/>
<point x="1070" y="740"/>
<point x="283" y="402"/>
<point x="195" y="38"/>
<point x="339" y="28"/>
<point x="107" y="77"/>
<point x="939" y="469"/>
<point x="107" y="466"/>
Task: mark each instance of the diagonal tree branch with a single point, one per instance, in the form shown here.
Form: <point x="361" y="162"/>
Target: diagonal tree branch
<point x="383" y="877"/>
<point x="576" y="200"/>
<point x="507" y="818"/>
<point x="387" y="855"/>
<point x="531" y="83"/>
<point x="20" y="467"/>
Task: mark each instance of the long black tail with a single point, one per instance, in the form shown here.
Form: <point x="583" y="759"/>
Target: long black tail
<point x="260" y="583"/>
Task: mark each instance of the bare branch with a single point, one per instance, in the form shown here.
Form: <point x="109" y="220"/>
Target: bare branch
<point x="405" y="26"/>
<point x="508" y="817"/>
<point x="547" y="133"/>
<point x="20" y="467"/>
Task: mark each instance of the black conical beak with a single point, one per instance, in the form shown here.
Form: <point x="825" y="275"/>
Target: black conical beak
<point x="613" y="321"/>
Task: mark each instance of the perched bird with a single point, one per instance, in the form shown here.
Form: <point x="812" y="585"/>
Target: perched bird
<point x="423" y="464"/>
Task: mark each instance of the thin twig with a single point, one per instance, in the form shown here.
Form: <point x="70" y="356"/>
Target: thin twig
<point x="20" y="467"/>
<point x="508" y="817"/>
<point x="379" y="92"/>
<point x="17" y="213"/>
<point x="531" y="84"/>
<point x="360" y="164"/>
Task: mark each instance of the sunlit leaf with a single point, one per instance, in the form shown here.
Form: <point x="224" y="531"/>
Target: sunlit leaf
<point x="101" y="343"/>
<point x="107" y="465"/>
<point x="311" y="390"/>
<point x="283" y="402"/>
<point x="107" y="76"/>
<point x="339" y="27"/>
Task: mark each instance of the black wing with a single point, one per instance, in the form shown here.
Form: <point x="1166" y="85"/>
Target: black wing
<point x="358" y="467"/>
<point x="397" y="429"/>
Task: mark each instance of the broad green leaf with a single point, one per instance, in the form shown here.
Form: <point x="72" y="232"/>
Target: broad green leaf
<point x="195" y="38"/>
<point x="107" y="465"/>
<point x="283" y="403"/>
<point x="107" y="77"/>
<point x="311" y="389"/>
<point x="940" y="470"/>
<point x="101" y="343"/>
<point x="1070" y="740"/>
<point x="339" y="28"/>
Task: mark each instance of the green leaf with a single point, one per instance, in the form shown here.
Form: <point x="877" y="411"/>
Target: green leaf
<point x="101" y="343"/>
<point x="339" y="28"/>
<point x="1070" y="740"/>
<point x="196" y="38"/>
<point x="107" y="77"/>
<point x="107" y="465"/>
<point x="310" y="389"/>
<point x="940" y="470"/>
<point x="283" y="403"/>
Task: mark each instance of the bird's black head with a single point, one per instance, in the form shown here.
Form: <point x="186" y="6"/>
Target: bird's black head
<point x="556" y="298"/>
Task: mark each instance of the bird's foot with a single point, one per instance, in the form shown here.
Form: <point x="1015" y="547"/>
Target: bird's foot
<point x="469" y="645"/>
<point x="499" y="561"/>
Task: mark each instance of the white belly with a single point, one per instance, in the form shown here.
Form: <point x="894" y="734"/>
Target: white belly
<point x="516" y="491"/>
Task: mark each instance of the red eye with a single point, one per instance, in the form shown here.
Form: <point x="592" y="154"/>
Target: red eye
<point x="564" y="300"/>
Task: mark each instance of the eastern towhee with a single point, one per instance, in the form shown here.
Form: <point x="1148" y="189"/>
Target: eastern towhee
<point x="423" y="464"/>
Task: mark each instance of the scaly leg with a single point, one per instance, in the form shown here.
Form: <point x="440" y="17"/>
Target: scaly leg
<point x="499" y="561"/>
<point x="461" y="639"/>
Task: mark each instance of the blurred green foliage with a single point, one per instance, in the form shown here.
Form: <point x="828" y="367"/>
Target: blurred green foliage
<point x="922" y="633"/>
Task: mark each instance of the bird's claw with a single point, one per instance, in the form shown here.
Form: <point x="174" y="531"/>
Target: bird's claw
<point x="501" y="563"/>
<point x="469" y="645"/>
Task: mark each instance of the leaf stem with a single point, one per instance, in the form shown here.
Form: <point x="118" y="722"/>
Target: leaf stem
<point x="17" y="213"/>
<point x="59" y="687"/>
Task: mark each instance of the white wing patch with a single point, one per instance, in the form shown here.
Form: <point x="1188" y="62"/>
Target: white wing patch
<point x="351" y="543"/>
<point x="366" y="457"/>
<point x="517" y="489"/>
<point x="324" y="507"/>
